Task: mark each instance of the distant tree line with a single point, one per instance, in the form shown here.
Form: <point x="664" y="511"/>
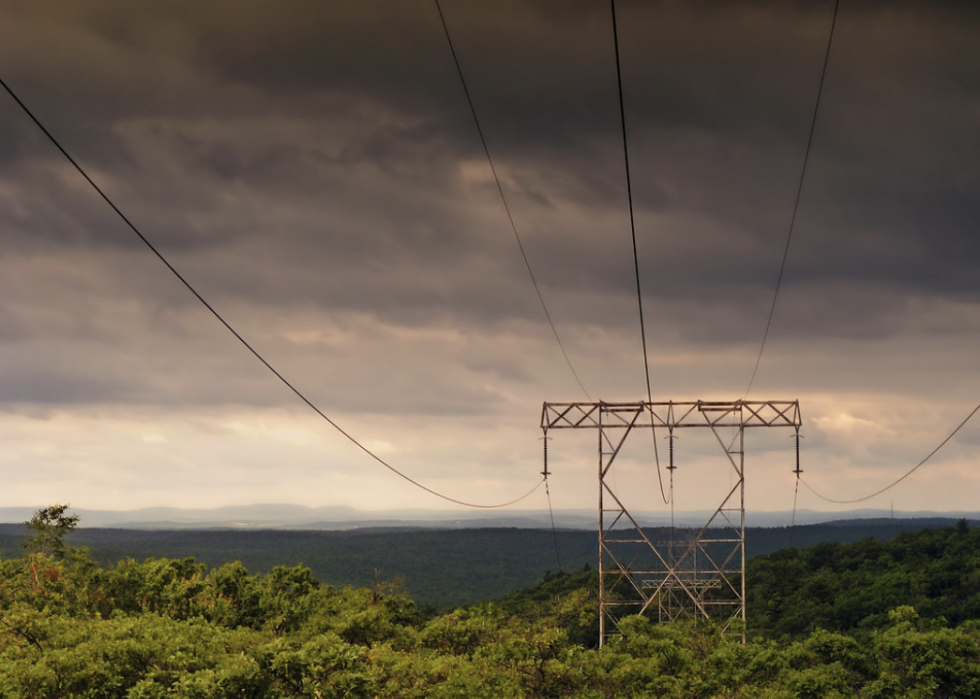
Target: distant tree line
<point x="441" y="568"/>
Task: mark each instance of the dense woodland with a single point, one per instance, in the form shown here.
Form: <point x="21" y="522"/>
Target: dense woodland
<point x="437" y="568"/>
<point x="871" y="619"/>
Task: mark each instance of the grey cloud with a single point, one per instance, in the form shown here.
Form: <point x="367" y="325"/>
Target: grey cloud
<point x="312" y="157"/>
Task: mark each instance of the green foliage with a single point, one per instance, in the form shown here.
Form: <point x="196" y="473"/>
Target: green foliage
<point x="487" y="563"/>
<point x="919" y="659"/>
<point x="568" y="600"/>
<point x="171" y="628"/>
<point x="49" y="526"/>
<point x="852" y="587"/>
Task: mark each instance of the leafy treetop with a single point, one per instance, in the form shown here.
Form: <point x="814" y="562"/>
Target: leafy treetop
<point x="49" y="526"/>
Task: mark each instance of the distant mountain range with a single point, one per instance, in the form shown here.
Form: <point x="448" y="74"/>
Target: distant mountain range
<point x="341" y="518"/>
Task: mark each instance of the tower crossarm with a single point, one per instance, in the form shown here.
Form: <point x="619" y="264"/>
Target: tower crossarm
<point x="672" y="414"/>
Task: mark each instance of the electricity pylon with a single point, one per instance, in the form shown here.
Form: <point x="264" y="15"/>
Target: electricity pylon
<point x="703" y="574"/>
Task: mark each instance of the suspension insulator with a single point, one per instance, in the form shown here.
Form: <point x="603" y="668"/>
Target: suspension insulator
<point x="798" y="470"/>
<point x="545" y="440"/>
<point x="671" y="443"/>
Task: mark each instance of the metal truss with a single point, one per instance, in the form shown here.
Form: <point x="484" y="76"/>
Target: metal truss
<point x="693" y="573"/>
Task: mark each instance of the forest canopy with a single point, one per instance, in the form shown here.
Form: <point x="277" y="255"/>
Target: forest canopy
<point x="868" y="619"/>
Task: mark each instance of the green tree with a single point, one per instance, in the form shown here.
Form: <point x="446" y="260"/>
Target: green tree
<point x="49" y="526"/>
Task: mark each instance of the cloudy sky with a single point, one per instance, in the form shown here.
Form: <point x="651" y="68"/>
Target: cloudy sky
<point x="313" y="169"/>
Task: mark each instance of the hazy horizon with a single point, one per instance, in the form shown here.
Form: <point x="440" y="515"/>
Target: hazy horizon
<point x="285" y="516"/>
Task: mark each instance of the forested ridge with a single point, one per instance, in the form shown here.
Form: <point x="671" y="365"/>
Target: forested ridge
<point x="870" y="619"/>
<point x="853" y="587"/>
<point x="437" y="568"/>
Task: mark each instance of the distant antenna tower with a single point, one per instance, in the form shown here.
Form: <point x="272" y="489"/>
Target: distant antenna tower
<point x="702" y="575"/>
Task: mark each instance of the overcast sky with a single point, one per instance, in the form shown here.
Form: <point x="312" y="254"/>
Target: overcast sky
<point x="313" y="169"/>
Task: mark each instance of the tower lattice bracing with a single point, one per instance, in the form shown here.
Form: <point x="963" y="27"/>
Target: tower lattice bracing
<point x="665" y="573"/>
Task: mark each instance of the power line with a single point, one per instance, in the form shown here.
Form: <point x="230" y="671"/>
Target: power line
<point x="796" y="204"/>
<point x="792" y="523"/>
<point x="907" y="473"/>
<point x="636" y="260"/>
<point x="796" y="488"/>
<point x="547" y="492"/>
<point x="554" y="530"/>
<point x="234" y="332"/>
<point x="503" y="199"/>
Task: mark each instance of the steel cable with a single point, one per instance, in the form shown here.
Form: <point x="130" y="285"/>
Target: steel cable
<point x="636" y="260"/>
<point x="796" y="203"/>
<point x="234" y="332"/>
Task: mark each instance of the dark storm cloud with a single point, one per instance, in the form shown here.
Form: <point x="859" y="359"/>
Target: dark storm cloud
<point x="326" y="140"/>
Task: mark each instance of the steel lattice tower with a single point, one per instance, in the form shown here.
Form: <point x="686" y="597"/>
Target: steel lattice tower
<point x="703" y="575"/>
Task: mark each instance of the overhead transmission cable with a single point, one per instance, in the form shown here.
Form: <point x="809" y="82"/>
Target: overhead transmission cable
<point x="782" y="268"/>
<point x="636" y="260"/>
<point x="547" y="492"/>
<point x="238" y="336"/>
<point x="905" y="475"/>
<point x="796" y="487"/>
<point x="796" y="203"/>
<point x="503" y="199"/>
<point x="792" y="522"/>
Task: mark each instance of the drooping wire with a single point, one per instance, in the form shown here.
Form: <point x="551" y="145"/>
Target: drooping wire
<point x="503" y="199"/>
<point x="547" y="491"/>
<point x="234" y="332"/>
<point x="796" y="488"/>
<point x="792" y="524"/>
<point x="796" y="203"/>
<point x="636" y="260"/>
<point x="905" y="475"/>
